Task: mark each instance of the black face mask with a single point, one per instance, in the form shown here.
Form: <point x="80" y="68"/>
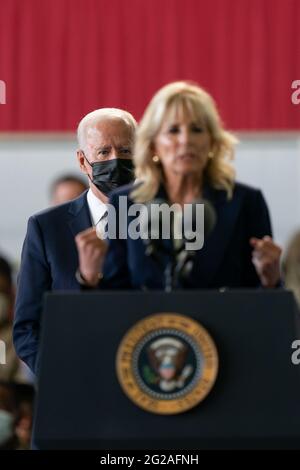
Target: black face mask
<point x="111" y="174"/>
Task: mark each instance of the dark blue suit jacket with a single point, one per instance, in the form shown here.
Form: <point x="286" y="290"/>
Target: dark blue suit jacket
<point x="224" y="260"/>
<point x="49" y="262"/>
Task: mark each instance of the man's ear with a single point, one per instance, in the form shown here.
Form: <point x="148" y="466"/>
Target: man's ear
<point x="81" y="161"/>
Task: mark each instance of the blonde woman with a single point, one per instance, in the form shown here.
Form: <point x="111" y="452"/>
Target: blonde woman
<point x="291" y="266"/>
<point x="182" y="154"/>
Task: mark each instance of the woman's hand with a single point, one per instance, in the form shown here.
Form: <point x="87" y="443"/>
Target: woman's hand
<point x="266" y="259"/>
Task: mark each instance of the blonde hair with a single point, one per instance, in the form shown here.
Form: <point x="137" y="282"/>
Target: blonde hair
<point x="91" y="120"/>
<point x="190" y="98"/>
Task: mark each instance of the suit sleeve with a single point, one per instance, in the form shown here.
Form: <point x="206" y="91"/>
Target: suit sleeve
<point x="33" y="281"/>
<point x="260" y="216"/>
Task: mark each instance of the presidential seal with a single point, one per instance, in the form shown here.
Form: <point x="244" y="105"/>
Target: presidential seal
<point x="167" y="363"/>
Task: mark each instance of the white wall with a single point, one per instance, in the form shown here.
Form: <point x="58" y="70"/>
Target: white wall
<point x="272" y="164"/>
<point x="28" y="165"/>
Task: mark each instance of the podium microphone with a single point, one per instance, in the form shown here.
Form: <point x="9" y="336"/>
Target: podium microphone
<point x="183" y="228"/>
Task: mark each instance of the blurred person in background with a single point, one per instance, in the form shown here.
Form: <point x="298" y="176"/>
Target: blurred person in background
<point x="16" y="415"/>
<point x="65" y="188"/>
<point x="12" y="369"/>
<point x="61" y="246"/>
<point x="7" y="287"/>
<point x="24" y="396"/>
<point x="8" y="415"/>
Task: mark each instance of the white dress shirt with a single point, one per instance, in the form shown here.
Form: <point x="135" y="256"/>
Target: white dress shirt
<point x="98" y="212"/>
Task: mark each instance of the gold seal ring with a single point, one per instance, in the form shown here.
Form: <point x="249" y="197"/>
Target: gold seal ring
<point x="167" y="363"/>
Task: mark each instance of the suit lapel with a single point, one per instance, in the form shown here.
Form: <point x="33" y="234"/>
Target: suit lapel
<point x="209" y="258"/>
<point x="79" y="214"/>
<point x="211" y="255"/>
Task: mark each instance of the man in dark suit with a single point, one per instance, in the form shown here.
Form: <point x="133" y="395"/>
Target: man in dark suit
<point x="61" y="248"/>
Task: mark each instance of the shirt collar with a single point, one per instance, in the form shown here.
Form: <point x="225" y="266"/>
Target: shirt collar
<point x="97" y="208"/>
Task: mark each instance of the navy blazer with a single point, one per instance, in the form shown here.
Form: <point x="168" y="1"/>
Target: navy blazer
<point x="224" y="260"/>
<point x="49" y="262"/>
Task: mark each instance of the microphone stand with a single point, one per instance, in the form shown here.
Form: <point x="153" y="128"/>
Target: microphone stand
<point x="178" y="269"/>
<point x="180" y="264"/>
<point x="169" y="277"/>
<point x="153" y="252"/>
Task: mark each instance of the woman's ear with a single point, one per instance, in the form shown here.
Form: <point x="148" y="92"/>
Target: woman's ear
<point x="213" y="150"/>
<point x="152" y="148"/>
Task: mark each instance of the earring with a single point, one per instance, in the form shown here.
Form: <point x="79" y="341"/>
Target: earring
<point x="210" y="155"/>
<point x="155" y="159"/>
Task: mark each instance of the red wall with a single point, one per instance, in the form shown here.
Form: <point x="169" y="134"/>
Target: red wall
<point x="63" y="58"/>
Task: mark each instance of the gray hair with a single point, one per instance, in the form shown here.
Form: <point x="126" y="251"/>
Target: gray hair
<point x="91" y="120"/>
